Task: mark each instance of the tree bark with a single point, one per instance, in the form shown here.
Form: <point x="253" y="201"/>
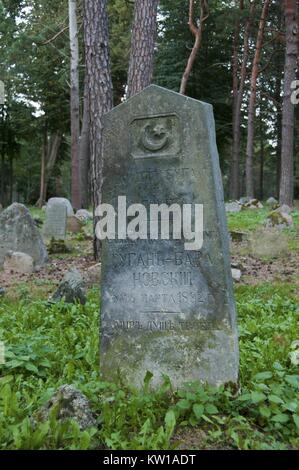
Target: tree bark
<point x="142" y="46"/>
<point x="42" y="194"/>
<point x="252" y="100"/>
<point x="278" y="131"/>
<point x="197" y="33"/>
<point x="84" y="151"/>
<point x="99" y="90"/>
<point x="75" y="103"/>
<point x="50" y="150"/>
<point x="262" y="160"/>
<point x="286" y="195"/>
<point x="238" y="93"/>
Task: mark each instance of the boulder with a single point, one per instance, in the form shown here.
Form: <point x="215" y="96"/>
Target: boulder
<point x="84" y="215"/>
<point x="279" y="220"/>
<point x="236" y="274"/>
<point x="18" y="263"/>
<point x="71" y="289"/>
<point x="272" y="202"/>
<point x="284" y="209"/>
<point x="74" y="225"/>
<point x="254" y="204"/>
<point x="18" y="233"/>
<point x="244" y="200"/>
<point x="233" y="207"/>
<point x="66" y="202"/>
<point x="69" y="403"/>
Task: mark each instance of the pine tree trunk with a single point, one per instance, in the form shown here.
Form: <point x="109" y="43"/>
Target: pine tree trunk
<point x="238" y="93"/>
<point x="75" y="104"/>
<point x="262" y="160"/>
<point x="44" y="150"/>
<point x="278" y="132"/>
<point x="252" y="101"/>
<point x="50" y="150"/>
<point x="286" y="195"/>
<point x="84" y="152"/>
<point x="197" y="33"/>
<point x="99" y="90"/>
<point x="142" y="46"/>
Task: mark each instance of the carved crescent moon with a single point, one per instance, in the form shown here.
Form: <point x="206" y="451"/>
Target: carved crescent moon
<point x="150" y="144"/>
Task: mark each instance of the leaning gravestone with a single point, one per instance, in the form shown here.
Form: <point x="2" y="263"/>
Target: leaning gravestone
<point x="18" y="233"/>
<point x="56" y="221"/>
<point x="166" y="309"/>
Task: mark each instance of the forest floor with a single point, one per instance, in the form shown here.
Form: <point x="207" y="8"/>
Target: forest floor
<point x="51" y="346"/>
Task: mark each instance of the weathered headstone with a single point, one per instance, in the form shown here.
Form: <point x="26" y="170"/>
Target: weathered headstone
<point x="62" y="200"/>
<point x="19" y="233"/>
<point x="71" y="288"/>
<point x="56" y="221"/>
<point x="166" y="309"/>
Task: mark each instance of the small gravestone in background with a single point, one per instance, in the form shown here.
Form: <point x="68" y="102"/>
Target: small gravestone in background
<point x="62" y="200"/>
<point x="71" y="289"/>
<point x="56" y="221"/>
<point x="165" y="309"/>
<point x="18" y="233"/>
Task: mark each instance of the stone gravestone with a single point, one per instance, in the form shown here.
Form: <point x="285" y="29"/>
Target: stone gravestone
<point x="18" y="233"/>
<point x="56" y="221"/>
<point x="166" y="309"/>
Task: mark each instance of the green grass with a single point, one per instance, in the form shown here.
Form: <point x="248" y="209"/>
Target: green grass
<point x="48" y="347"/>
<point x="246" y="220"/>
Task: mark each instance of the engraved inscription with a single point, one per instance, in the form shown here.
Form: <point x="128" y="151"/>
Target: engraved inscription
<point x="156" y="136"/>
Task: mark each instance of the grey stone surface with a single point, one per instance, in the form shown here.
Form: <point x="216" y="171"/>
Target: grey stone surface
<point x="66" y="202"/>
<point x="84" y="215"/>
<point x="271" y="201"/>
<point x="253" y="204"/>
<point x="165" y="309"/>
<point x="284" y="209"/>
<point x="18" y="263"/>
<point x="18" y="232"/>
<point x="233" y="207"/>
<point x="71" y="289"/>
<point x="244" y="200"/>
<point x="56" y="221"/>
<point x="236" y="274"/>
<point x="70" y="404"/>
<point x="279" y="219"/>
